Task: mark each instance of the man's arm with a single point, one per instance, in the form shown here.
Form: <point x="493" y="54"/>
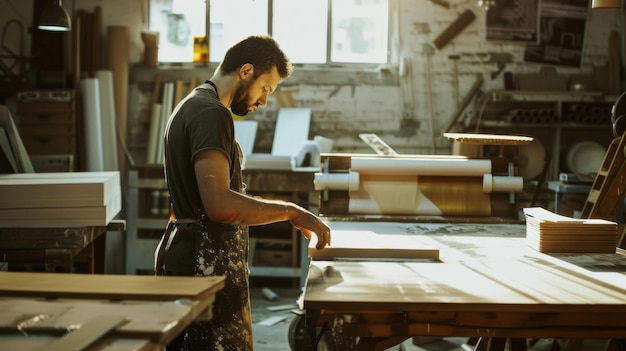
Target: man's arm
<point x="226" y="206"/>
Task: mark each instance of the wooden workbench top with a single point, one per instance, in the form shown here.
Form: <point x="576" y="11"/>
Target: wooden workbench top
<point x="102" y="286"/>
<point x="482" y="267"/>
<point x="57" y="311"/>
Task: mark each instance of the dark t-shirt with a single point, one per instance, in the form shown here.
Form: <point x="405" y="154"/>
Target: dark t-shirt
<point x="200" y="122"/>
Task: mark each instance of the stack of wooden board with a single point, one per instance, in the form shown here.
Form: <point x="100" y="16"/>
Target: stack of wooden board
<point x="59" y="199"/>
<point x="550" y="232"/>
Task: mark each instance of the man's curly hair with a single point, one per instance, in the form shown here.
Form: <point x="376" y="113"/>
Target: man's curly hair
<point x="262" y="52"/>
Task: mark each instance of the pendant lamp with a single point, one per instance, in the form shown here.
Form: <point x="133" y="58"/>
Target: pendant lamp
<point x="55" y="18"/>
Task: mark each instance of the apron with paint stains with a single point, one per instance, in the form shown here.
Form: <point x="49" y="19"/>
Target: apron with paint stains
<point x="218" y="252"/>
<point x="225" y="254"/>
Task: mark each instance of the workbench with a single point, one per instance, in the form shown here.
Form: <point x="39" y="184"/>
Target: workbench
<point x="64" y="249"/>
<point x="67" y="312"/>
<point x="487" y="283"/>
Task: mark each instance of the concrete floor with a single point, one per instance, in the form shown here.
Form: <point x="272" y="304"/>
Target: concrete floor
<point x="271" y="327"/>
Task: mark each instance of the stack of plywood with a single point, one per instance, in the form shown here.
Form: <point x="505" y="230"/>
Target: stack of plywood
<point x="64" y="199"/>
<point x="550" y="232"/>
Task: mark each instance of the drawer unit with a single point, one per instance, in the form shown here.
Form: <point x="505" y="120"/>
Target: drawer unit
<point x="48" y="126"/>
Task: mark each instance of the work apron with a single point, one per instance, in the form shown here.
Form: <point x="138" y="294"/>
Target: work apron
<point x="217" y="253"/>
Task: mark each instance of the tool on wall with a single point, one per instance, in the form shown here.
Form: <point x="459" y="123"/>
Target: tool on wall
<point x="405" y="71"/>
<point x="441" y="3"/>
<point x="466" y="100"/>
<point x="454" y="29"/>
<point x="461" y="22"/>
<point x="455" y="76"/>
<point x="428" y="53"/>
<point x="500" y="59"/>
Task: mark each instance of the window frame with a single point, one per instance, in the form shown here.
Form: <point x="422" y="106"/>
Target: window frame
<point x="392" y="8"/>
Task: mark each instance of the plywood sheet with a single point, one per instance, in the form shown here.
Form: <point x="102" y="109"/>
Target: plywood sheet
<point x="357" y="240"/>
<point x="550" y="232"/>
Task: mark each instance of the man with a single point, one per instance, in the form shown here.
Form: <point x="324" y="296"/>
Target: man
<point x="207" y="233"/>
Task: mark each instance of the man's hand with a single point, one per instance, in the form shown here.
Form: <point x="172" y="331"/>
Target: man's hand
<point x="308" y="223"/>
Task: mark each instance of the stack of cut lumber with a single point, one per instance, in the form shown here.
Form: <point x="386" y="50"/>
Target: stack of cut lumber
<point x="59" y="199"/>
<point x="550" y="232"/>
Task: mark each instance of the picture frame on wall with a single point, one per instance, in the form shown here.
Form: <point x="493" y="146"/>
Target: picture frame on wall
<point x="515" y="21"/>
<point x="562" y="34"/>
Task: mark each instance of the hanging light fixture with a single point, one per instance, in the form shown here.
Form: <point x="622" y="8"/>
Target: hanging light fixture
<point x="55" y="18"/>
<point x="605" y="4"/>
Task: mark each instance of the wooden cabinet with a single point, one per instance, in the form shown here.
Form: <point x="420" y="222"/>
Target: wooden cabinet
<point x="49" y="128"/>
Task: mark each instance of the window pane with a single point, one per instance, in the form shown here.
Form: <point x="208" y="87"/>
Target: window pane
<point x="300" y="28"/>
<point x="177" y="22"/>
<point x="359" y="31"/>
<point x="234" y="20"/>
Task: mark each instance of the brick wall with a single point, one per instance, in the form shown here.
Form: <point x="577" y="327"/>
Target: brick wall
<point x="410" y="113"/>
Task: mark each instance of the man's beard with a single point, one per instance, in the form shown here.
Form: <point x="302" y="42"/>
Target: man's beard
<point x="240" y="103"/>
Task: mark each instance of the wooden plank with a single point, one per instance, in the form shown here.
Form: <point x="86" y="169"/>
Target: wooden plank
<point x="106" y="286"/>
<point x="158" y="321"/>
<point x="87" y="334"/>
<point x="363" y="243"/>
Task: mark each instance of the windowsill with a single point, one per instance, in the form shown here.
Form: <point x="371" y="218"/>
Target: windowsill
<point x="302" y="74"/>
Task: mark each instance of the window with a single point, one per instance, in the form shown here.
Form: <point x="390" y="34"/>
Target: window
<point x="358" y="30"/>
<point x="177" y="22"/>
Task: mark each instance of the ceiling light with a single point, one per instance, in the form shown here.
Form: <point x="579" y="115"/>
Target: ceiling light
<point x="55" y="18"/>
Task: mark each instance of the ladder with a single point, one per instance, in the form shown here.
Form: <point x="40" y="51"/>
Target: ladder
<point x="609" y="187"/>
<point x="604" y="200"/>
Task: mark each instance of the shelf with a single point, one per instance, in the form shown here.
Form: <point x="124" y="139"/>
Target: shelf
<point x="557" y="119"/>
<point x="594" y="95"/>
<point x="504" y="124"/>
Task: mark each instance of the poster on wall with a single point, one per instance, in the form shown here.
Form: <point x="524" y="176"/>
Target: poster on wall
<point x="514" y="21"/>
<point x="562" y="34"/>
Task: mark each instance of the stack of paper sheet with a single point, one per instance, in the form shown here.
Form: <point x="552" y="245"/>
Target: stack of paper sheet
<point x="550" y="232"/>
<point x="59" y="199"/>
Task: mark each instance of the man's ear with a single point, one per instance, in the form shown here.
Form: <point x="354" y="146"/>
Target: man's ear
<point x="246" y="71"/>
